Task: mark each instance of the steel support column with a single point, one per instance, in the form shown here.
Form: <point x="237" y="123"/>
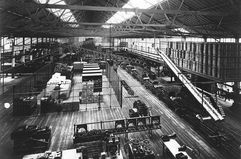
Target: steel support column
<point x="31" y="42"/>
<point x="236" y="86"/>
<point x="1" y="46"/>
<point x="3" y="65"/>
<point x="31" y="56"/>
<point x="121" y="95"/>
<point x="13" y="54"/>
<point x="23" y="56"/>
<point x="110" y="44"/>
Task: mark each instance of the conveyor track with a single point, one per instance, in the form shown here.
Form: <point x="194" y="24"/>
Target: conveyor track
<point x="202" y="99"/>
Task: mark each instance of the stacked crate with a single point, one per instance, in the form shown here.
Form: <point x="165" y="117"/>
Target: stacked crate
<point x="88" y="95"/>
<point x="96" y="78"/>
<point x="98" y="85"/>
<point x="97" y="97"/>
<point x="87" y="92"/>
<point x="217" y="60"/>
<point x="94" y="73"/>
<point x="77" y="66"/>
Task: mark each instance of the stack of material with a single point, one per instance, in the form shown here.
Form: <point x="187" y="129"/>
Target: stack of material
<point x="98" y="97"/>
<point x="92" y="72"/>
<point x="97" y="78"/>
<point x="78" y="66"/>
<point x="141" y="149"/>
<point x="217" y="60"/>
<point x="88" y="95"/>
<point x="87" y="92"/>
<point x="98" y="85"/>
<point x="58" y="87"/>
<point x="91" y="65"/>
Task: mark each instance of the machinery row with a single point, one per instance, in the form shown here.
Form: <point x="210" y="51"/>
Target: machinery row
<point x="180" y="100"/>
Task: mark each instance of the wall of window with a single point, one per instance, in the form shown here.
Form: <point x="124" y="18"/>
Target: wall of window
<point x="7" y="43"/>
<point x="149" y="44"/>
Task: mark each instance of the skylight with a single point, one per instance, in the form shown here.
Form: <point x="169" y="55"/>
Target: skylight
<point x="122" y="16"/>
<point x="64" y="14"/>
<point x="181" y="30"/>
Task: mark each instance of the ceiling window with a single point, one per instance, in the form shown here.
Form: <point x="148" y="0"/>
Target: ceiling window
<point x="64" y="14"/>
<point x="122" y="16"/>
<point x="182" y="30"/>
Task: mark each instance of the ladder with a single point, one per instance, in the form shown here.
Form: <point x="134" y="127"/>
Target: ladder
<point x="198" y="95"/>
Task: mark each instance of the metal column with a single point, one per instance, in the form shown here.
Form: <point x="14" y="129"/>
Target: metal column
<point x="23" y="56"/>
<point x="13" y="54"/>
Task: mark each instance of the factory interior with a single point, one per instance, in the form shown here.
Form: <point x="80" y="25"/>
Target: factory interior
<point x="120" y="79"/>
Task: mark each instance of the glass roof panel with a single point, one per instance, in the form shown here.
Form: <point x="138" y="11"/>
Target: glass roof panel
<point x="66" y="15"/>
<point x="181" y="30"/>
<point x="122" y="16"/>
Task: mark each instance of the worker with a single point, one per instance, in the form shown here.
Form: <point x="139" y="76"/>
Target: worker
<point x="99" y="102"/>
<point x="115" y="67"/>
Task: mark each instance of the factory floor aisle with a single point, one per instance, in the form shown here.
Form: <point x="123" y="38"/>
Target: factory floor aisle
<point x="62" y="123"/>
<point x="109" y="98"/>
<point x="170" y="121"/>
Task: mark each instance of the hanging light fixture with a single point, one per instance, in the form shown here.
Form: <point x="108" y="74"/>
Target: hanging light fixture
<point x="7" y="105"/>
